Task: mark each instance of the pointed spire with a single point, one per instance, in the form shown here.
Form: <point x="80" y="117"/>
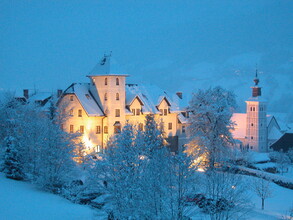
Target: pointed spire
<point x="256" y="80"/>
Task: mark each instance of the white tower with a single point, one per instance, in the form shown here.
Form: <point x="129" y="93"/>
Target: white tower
<point x="108" y="87"/>
<point x="256" y="126"/>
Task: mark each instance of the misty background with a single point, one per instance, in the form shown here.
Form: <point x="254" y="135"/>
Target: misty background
<point x="177" y="45"/>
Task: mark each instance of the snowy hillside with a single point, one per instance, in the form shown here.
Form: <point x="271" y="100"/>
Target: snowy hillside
<point x="19" y="200"/>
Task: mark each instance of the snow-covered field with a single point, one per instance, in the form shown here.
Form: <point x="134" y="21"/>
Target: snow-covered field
<point x="23" y="201"/>
<point x="20" y="200"/>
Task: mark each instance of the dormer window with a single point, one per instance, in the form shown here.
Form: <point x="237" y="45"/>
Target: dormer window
<point x="117" y="81"/>
<point x="105" y="97"/>
<point x="106" y="81"/>
<point x="71" y="98"/>
<point x="117" y="96"/>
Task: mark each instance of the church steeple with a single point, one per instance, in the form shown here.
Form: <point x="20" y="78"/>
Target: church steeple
<point x="256" y="90"/>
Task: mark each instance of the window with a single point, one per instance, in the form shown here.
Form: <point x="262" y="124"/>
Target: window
<point x="71" y="98"/>
<point x="106" y="129"/>
<point x="140" y="126"/>
<point x="251" y="124"/>
<point x="254" y="109"/>
<point x="133" y="111"/>
<point x="251" y="137"/>
<point x="87" y="96"/>
<point x="62" y="127"/>
<point x="117" y="96"/>
<point x="183" y="129"/>
<point x="117" y="112"/>
<point x="169" y="126"/>
<point x="79" y="113"/>
<point x="161" y="110"/>
<point x="71" y="112"/>
<point x="117" y="129"/>
<point x="138" y="111"/>
<point x="165" y="111"/>
<point x="71" y="129"/>
<point x="117" y="82"/>
<point x="81" y="129"/>
<point x="98" y="129"/>
<point x="251" y="109"/>
<point x="106" y="81"/>
<point x="105" y="97"/>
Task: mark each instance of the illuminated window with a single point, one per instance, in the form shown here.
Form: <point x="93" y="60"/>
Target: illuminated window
<point x="71" y="112"/>
<point x="140" y="126"/>
<point x="169" y="126"/>
<point x="165" y="111"/>
<point x="138" y="111"/>
<point x="117" y="112"/>
<point x="98" y="129"/>
<point x="117" y="82"/>
<point x="71" y="98"/>
<point x="117" y="96"/>
<point x="81" y="129"/>
<point x="106" y="129"/>
<point x="106" y="81"/>
<point x="106" y="97"/>
<point x="71" y="129"/>
<point x="79" y="113"/>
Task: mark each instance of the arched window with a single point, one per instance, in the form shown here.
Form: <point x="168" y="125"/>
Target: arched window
<point x="106" y="81"/>
<point x="117" y="82"/>
<point x="117" y="96"/>
<point x="106" y="97"/>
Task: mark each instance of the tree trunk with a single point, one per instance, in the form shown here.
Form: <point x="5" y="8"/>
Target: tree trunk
<point x="262" y="203"/>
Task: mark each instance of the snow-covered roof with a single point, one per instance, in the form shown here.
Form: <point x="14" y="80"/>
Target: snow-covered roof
<point x="258" y="99"/>
<point x="282" y="120"/>
<point x="182" y="119"/>
<point x="240" y="125"/>
<point x="40" y="96"/>
<point x="81" y="90"/>
<point x="107" y="66"/>
<point x="151" y="96"/>
<point x="274" y="134"/>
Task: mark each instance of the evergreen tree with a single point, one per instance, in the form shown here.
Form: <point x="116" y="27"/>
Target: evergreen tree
<point x="12" y="165"/>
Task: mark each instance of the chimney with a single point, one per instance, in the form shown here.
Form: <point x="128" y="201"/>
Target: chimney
<point x="179" y="94"/>
<point x="25" y="93"/>
<point x="59" y="93"/>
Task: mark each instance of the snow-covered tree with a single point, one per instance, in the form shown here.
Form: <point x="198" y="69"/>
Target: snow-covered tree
<point x="211" y="111"/>
<point x="12" y="165"/>
<point x="263" y="189"/>
<point x="282" y="160"/>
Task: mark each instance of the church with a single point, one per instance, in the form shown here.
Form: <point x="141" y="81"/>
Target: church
<point x="100" y="108"/>
<point x="257" y="130"/>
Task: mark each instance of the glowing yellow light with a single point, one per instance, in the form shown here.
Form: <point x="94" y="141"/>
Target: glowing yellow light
<point x="200" y="169"/>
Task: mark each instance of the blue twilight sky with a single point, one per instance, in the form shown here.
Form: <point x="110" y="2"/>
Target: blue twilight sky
<point x="177" y="45"/>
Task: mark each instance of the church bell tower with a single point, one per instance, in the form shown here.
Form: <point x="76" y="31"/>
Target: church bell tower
<point x="256" y="121"/>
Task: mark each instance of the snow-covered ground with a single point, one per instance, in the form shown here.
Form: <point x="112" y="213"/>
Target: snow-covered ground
<point x="23" y="201"/>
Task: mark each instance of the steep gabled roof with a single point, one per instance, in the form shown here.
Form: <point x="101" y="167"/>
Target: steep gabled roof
<point x="151" y="96"/>
<point x="81" y="90"/>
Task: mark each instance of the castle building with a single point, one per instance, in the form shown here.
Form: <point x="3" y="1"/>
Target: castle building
<point x="100" y="108"/>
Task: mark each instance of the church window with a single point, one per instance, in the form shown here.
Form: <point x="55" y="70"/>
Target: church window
<point x="183" y="129"/>
<point x="106" y="81"/>
<point x="251" y="109"/>
<point x="140" y="126"/>
<point x="251" y="124"/>
<point x="138" y="111"/>
<point x="79" y="113"/>
<point x="254" y="109"/>
<point x="71" y="128"/>
<point x="106" y="129"/>
<point x="98" y="129"/>
<point x="81" y="129"/>
<point x="117" y="96"/>
<point x="251" y="137"/>
<point x="105" y="97"/>
<point x="71" y="98"/>
<point x="169" y="126"/>
<point x="117" y="81"/>
<point x="117" y="112"/>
